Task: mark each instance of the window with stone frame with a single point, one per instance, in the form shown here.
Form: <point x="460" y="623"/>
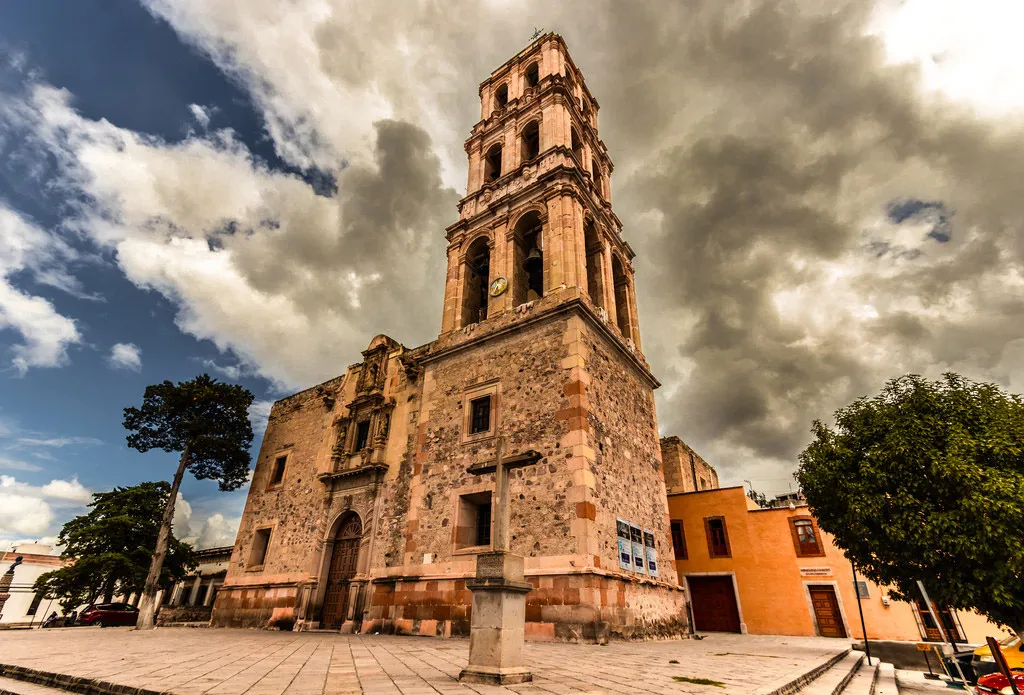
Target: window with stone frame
<point x="277" y="471"/>
<point x="806" y="539"/>
<point x="480" y="416"/>
<point x="362" y="435"/>
<point x="718" y="536"/>
<point x="260" y="544"/>
<point x="678" y="540"/>
<point x="473" y="524"/>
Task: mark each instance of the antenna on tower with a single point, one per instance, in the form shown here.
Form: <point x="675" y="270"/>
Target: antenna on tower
<point x="536" y="32"/>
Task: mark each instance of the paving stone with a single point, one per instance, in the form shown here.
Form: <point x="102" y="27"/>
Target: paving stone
<point x="255" y="662"/>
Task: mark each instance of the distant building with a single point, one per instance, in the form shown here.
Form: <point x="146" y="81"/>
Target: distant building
<point x="772" y="571"/>
<point x="685" y="470"/>
<point x="191" y="599"/>
<point x="24" y="605"/>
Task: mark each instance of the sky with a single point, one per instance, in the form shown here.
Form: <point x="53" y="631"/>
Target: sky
<point x="821" y="196"/>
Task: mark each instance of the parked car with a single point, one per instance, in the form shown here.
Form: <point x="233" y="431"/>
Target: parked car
<point x="999" y="684"/>
<point x="104" y="614"/>
<point x="979" y="662"/>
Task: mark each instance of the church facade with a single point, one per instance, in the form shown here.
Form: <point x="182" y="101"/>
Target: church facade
<point x="372" y="493"/>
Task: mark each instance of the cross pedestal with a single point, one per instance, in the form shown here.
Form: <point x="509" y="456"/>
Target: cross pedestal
<point x="498" y="623"/>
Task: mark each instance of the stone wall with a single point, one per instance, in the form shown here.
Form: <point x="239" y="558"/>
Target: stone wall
<point x="681" y="463"/>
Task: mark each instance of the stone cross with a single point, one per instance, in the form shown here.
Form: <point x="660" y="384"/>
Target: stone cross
<point x="498" y="624"/>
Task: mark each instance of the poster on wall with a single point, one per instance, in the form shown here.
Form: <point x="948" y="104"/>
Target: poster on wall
<point x="625" y="548"/>
<point x="637" y="538"/>
<point x="652" y="554"/>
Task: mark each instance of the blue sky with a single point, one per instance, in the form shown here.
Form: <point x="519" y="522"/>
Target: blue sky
<point x="64" y="423"/>
<point x="818" y="203"/>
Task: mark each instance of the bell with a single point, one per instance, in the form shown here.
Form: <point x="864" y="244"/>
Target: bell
<point x="534" y="260"/>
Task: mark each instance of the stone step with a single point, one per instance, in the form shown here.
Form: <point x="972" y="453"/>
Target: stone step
<point x="832" y="681"/>
<point x="885" y="683"/>
<point x="9" y="686"/>
<point x="863" y="681"/>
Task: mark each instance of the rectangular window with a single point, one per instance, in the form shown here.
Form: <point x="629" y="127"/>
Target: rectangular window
<point x="474" y="520"/>
<point x="260" y="542"/>
<point x="277" y="473"/>
<point x="805" y="537"/>
<point x="718" y="536"/>
<point x="362" y="435"/>
<point x="34" y="606"/>
<point x="678" y="540"/>
<point x="481" y="415"/>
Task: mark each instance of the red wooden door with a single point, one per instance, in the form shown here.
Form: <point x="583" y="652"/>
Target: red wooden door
<point x="714" y="604"/>
<point x="344" y="559"/>
<point x="826" y="610"/>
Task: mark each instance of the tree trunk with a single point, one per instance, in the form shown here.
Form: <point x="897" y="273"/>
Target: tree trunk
<point x="147" y="606"/>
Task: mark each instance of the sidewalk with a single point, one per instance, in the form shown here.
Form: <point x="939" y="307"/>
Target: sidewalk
<point x="253" y="662"/>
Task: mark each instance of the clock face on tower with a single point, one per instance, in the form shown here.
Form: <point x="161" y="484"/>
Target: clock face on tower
<point x="498" y="286"/>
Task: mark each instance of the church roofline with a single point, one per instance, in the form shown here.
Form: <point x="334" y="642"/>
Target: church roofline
<point x="553" y="36"/>
<point x="575" y="305"/>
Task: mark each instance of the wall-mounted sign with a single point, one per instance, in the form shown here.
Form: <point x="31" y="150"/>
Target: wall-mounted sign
<point x="498" y="286"/>
<point x="637" y="537"/>
<point x="652" y="554"/>
<point x="625" y="547"/>
<point x="815" y="571"/>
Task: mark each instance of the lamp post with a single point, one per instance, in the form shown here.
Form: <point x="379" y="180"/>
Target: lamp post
<point x="860" y="609"/>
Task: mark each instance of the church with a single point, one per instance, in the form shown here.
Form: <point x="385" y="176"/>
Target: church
<point x="372" y="494"/>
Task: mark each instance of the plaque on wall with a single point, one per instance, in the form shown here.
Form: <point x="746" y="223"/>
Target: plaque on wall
<point x="652" y="554"/>
<point x="625" y="547"/>
<point x="637" y="538"/>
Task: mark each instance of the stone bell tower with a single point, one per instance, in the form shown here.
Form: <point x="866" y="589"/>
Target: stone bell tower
<point x="537" y="216"/>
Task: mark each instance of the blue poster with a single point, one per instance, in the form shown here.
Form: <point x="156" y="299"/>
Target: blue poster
<point x="652" y="554"/>
<point x="625" y="548"/>
<point x="637" y="538"/>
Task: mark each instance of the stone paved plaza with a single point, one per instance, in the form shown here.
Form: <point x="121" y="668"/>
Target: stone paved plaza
<point x="251" y="662"/>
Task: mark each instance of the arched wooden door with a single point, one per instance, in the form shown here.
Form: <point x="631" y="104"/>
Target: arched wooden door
<point x="343" y="567"/>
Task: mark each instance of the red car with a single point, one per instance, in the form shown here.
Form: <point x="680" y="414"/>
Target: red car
<point x="998" y="683"/>
<point x="104" y="614"/>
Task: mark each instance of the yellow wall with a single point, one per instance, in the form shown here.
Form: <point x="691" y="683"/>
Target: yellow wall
<point x="773" y="596"/>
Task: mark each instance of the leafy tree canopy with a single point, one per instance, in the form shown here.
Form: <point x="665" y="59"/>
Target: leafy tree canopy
<point x="208" y="418"/>
<point x="925" y="481"/>
<point x="112" y="546"/>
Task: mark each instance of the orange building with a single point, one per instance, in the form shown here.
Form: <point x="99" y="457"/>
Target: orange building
<point x="772" y="571"/>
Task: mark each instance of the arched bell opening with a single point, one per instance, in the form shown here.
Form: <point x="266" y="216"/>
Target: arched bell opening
<point x="477" y="277"/>
<point x="577" y="146"/>
<point x="501" y="97"/>
<point x="531" y="141"/>
<point x="492" y="163"/>
<point x="532" y="75"/>
<point x="621" y="297"/>
<point x="340" y="569"/>
<point x="529" y="259"/>
<point x="595" y="257"/>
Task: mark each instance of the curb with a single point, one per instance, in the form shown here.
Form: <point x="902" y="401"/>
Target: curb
<point x="72" y="684"/>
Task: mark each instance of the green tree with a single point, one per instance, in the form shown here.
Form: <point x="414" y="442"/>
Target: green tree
<point x="111" y="547"/>
<point x="925" y="481"/>
<point x="207" y="422"/>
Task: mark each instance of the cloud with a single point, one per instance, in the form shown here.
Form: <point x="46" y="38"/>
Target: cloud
<point x="259" y="413"/>
<point x="28" y="510"/>
<point x="16" y="465"/>
<point x="57" y="442"/>
<point x="810" y="217"/>
<point x="45" y="335"/>
<point x="125" y="356"/>
<point x="212" y="531"/>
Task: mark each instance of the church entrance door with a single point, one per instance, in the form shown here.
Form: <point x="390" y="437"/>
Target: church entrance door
<point x="343" y="568"/>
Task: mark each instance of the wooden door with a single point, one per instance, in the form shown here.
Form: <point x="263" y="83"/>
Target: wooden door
<point x="344" y="559"/>
<point x="826" y="611"/>
<point x="714" y="604"/>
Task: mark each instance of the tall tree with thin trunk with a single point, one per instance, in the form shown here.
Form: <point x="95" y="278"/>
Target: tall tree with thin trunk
<point x="207" y="422"/>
